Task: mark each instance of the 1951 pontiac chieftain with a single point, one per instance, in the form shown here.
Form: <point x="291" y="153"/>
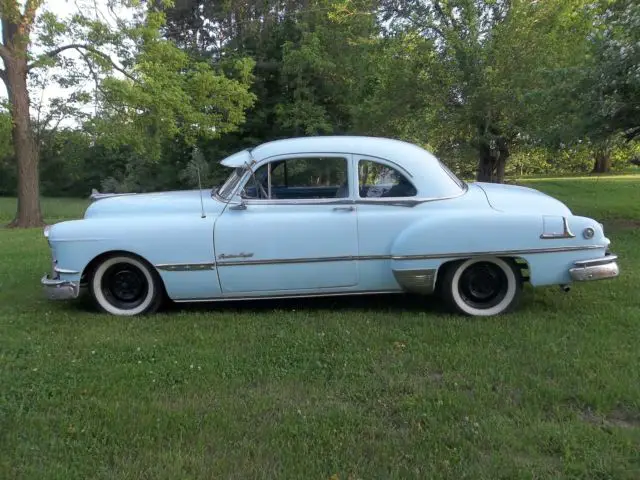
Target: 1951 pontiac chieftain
<point x="326" y="216"/>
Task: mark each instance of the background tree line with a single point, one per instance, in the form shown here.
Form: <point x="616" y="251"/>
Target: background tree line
<point x="494" y="87"/>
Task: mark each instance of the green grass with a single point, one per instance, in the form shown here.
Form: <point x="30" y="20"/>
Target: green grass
<point x="53" y="209"/>
<point x="379" y="387"/>
<point x="609" y="198"/>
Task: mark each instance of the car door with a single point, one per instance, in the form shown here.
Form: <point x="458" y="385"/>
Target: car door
<point x="383" y="194"/>
<point x="296" y="230"/>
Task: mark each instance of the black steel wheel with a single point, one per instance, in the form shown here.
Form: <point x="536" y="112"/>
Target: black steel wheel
<point x="482" y="286"/>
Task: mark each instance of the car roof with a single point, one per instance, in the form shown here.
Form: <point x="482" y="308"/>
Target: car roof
<point x="425" y="170"/>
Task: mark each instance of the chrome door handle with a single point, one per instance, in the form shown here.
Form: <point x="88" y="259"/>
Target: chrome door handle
<point x="344" y="209"/>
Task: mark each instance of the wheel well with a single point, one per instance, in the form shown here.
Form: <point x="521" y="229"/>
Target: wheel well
<point x="93" y="264"/>
<point x="520" y="264"/>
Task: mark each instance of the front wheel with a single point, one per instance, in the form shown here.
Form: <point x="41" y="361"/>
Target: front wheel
<point x="482" y="286"/>
<point x="125" y="285"/>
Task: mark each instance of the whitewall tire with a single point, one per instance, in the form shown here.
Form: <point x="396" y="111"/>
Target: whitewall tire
<point x="482" y="286"/>
<point x="125" y="285"/>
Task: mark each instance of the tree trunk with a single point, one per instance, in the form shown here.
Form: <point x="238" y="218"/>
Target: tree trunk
<point x="492" y="162"/>
<point x="28" y="213"/>
<point x="602" y="163"/>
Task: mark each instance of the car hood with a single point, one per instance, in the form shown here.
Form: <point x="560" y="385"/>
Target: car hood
<point x="186" y="201"/>
<point x="514" y="198"/>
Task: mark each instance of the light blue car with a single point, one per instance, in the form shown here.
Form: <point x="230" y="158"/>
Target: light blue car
<point x="322" y="216"/>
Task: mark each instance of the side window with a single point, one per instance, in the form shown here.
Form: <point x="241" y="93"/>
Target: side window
<point x="300" y="178"/>
<point x="381" y="181"/>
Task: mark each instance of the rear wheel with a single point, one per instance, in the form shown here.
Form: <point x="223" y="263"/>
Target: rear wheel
<point x="125" y="285"/>
<point x="482" y="286"/>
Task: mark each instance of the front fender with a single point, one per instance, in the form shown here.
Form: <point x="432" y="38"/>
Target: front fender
<point x="169" y="240"/>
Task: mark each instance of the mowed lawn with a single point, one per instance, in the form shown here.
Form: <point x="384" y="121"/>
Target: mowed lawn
<point x="375" y="387"/>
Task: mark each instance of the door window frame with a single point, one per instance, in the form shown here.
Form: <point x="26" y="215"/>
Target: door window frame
<point x="348" y="157"/>
<point x="387" y="163"/>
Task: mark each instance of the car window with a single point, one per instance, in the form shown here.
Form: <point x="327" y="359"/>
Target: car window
<point x="300" y="178"/>
<point x="377" y="180"/>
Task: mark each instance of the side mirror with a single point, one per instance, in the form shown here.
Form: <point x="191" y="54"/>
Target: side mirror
<point x="238" y="206"/>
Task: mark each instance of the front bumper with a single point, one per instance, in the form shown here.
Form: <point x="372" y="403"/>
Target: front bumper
<point x="57" y="289"/>
<point x="596" y="269"/>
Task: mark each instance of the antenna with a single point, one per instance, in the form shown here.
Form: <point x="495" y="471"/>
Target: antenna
<point x="202" y="215"/>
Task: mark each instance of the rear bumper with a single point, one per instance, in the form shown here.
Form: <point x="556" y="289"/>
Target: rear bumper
<point x="597" y="269"/>
<point x="57" y="289"/>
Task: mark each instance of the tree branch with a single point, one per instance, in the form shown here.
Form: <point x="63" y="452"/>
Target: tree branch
<point x="80" y="46"/>
<point x="632" y="134"/>
<point x="96" y="79"/>
<point x="30" y="12"/>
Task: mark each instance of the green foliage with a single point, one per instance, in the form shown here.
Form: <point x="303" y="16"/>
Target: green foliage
<point x="152" y="99"/>
<point x="459" y="75"/>
<point x="325" y="71"/>
<point x="548" y="85"/>
<point x="597" y="98"/>
<point x="617" y="72"/>
<point x="171" y="96"/>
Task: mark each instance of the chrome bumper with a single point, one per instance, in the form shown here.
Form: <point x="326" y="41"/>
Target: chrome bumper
<point x="56" y="289"/>
<point x="596" y="269"/>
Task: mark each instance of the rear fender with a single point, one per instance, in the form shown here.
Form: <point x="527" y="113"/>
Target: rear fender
<point x="454" y="234"/>
<point x="428" y="244"/>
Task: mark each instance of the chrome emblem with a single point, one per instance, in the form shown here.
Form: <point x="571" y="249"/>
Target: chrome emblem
<point x="236" y="255"/>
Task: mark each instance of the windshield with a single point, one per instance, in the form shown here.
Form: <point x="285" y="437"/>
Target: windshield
<point x="230" y="184"/>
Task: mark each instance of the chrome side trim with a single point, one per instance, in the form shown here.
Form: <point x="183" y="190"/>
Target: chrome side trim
<point x="385" y="201"/>
<point x="185" y="267"/>
<point x="396" y="201"/>
<point x="566" y="232"/>
<point x="175" y="267"/>
<point x="350" y="258"/>
<point x="373" y="257"/>
<point x="498" y="253"/>
<point x="421" y="281"/>
<point x="232" y="297"/>
<point x="301" y="201"/>
<point x="284" y="261"/>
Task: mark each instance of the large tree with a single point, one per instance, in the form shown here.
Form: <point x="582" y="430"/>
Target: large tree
<point x="598" y="101"/>
<point x="311" y="56"/>
<point x="612" y="83"/>
<point x="17" y="24"/>
<point x="473" y="66"/>
<point x="55" y="37"/>
<point x="96" y="42"/>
